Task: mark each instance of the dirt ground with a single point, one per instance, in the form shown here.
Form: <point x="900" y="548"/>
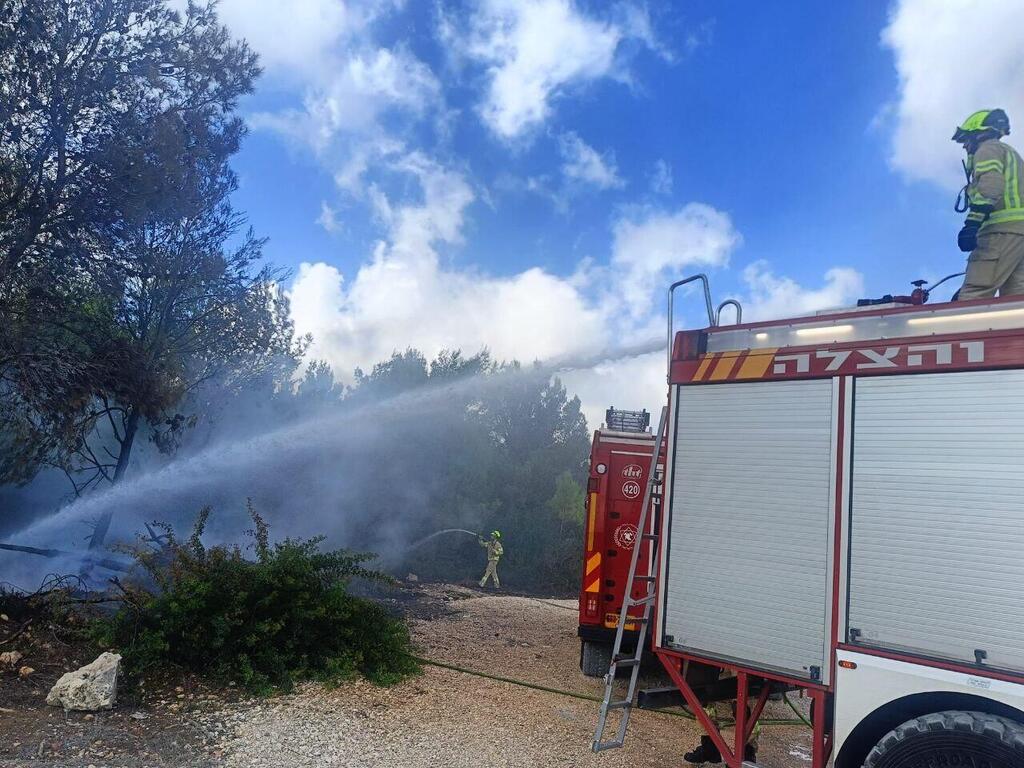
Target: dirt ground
<point x="147" y="728"/>
<point x="451" y="718"/>
<point x="442" y="718"/>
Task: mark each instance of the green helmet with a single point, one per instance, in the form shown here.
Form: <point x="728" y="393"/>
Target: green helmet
<point x="495" y="534"/>
<point x="980" y="121"/>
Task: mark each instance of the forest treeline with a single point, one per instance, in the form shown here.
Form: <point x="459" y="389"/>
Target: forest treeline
<point x="141" y="321"/>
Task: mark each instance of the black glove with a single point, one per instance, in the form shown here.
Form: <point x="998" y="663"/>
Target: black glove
<point x="967" y="240"/>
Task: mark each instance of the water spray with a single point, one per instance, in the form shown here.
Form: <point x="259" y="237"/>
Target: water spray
<point x="434" y="535"/>
<point x="225" y="473"/>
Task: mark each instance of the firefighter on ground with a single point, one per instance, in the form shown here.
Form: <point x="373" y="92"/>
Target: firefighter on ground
<point x="994" y="230"/>
<point x="494" y="553"/>
<point x="723" y="713"/>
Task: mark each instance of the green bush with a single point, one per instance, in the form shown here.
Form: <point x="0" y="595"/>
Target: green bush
<point x="267" y="622"/>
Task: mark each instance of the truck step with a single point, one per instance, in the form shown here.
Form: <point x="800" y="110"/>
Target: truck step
<point x="659" y="698"/>
<point x="625" y="661"/>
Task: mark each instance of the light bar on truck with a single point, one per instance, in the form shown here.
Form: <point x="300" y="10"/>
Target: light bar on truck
<point x="968" y="317"/>
<point x="943" y="319"/>
<point x="828" y="330"/>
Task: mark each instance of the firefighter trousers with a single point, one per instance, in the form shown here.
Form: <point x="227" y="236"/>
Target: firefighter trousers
<point x="724" y="712"/>
<point x="492" y="573"/>
<point x="997" y="264"/>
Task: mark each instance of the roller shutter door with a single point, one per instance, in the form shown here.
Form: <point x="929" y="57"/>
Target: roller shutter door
<point x="748" y="549"/>
<point x="937" y="515"/>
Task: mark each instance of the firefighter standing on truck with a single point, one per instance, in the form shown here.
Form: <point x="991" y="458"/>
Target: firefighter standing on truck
<point x="494" y="553"/>
<point x="994" y="230"/>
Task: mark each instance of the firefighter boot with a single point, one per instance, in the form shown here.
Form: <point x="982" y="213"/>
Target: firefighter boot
<point x="707" y="752"/>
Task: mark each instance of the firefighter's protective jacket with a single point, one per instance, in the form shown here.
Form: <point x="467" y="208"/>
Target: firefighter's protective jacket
<point x="995" y="192"/>
<point x="494" y="549"/>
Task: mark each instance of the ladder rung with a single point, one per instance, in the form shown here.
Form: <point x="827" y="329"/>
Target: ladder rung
<point x="643" y="600"/>
<point x="650" y="537"/>
<point x="601" y="746"/>
<point x="644" y="578"/>
<point x="624" y="704"/>
<point x="626" y="661"/>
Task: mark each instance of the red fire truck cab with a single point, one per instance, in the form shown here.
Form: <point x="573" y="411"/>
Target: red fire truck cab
<point x="620" y="458"/>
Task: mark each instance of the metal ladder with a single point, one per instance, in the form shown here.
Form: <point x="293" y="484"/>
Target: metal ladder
<point x="652" y="498"/>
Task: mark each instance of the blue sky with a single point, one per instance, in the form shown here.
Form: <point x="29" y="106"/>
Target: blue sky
<point x="529" y="174"/>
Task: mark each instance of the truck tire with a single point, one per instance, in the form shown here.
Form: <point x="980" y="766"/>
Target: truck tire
<point x="595" y="658"/>
<point x="951" y="739"/>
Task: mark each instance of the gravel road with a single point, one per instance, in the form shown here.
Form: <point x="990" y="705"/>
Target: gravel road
<point x="449" y="718"/>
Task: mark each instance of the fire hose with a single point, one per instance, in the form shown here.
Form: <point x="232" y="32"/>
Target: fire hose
<point x="434" y="535"/>
<point x="588" y="697"/>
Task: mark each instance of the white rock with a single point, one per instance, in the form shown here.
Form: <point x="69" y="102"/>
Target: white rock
<point x="90" y="688"/>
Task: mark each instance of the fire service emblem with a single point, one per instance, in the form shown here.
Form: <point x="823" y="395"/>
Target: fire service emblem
<point x="625" y="536"/>
<point x="632" y="472"/>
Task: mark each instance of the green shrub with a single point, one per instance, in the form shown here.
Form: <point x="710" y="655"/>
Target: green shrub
<point x="265" y="623"/>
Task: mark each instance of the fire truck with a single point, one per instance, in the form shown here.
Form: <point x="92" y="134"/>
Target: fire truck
<point x="842" y="514"/>
<point x="620" y="458"/>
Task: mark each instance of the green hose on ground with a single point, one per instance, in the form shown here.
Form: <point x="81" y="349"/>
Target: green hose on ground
<point x="797" y="712"/>
<point x="572" y="608"/>
<point x="584" y="696"/>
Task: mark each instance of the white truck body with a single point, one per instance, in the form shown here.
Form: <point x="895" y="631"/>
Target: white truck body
<point x="844" y="503"/>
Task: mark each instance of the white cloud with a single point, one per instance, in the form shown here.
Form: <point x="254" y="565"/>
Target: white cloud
<point x="537" y="50"/>
<point x="362" y="89"/>
<point x="661" y="178"/>
<point x="358" y="98"/>
<point x="952" y="57"/>
<point x="297" y="36"/>
<point x="636" y="22"/>
<point x="439" y="218"/>
<point x="582" y="163"/>
<point x="648" y="246"/>
<point x="406" y="294"/>
<point x="583" y="168"/>
<point x="770" y="296"/>
<point x="632" y="384"/>
<point x="328" y="218"/>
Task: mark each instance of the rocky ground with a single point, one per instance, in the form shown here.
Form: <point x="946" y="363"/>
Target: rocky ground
<point x="442" y="718"/>
<point x="452" y="718"/>
<point x="147" y="728"/>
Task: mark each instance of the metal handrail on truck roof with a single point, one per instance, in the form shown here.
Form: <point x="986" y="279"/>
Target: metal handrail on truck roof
<point x="671" y="301"/>
<point x="714" y="316"/>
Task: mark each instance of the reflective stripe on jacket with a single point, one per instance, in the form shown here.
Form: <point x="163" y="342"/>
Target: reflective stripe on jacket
<point x="996" y="190"/>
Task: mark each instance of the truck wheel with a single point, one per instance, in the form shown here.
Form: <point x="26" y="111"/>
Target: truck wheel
<point x="951" y="739"/>
<point x="595" y="658"/>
